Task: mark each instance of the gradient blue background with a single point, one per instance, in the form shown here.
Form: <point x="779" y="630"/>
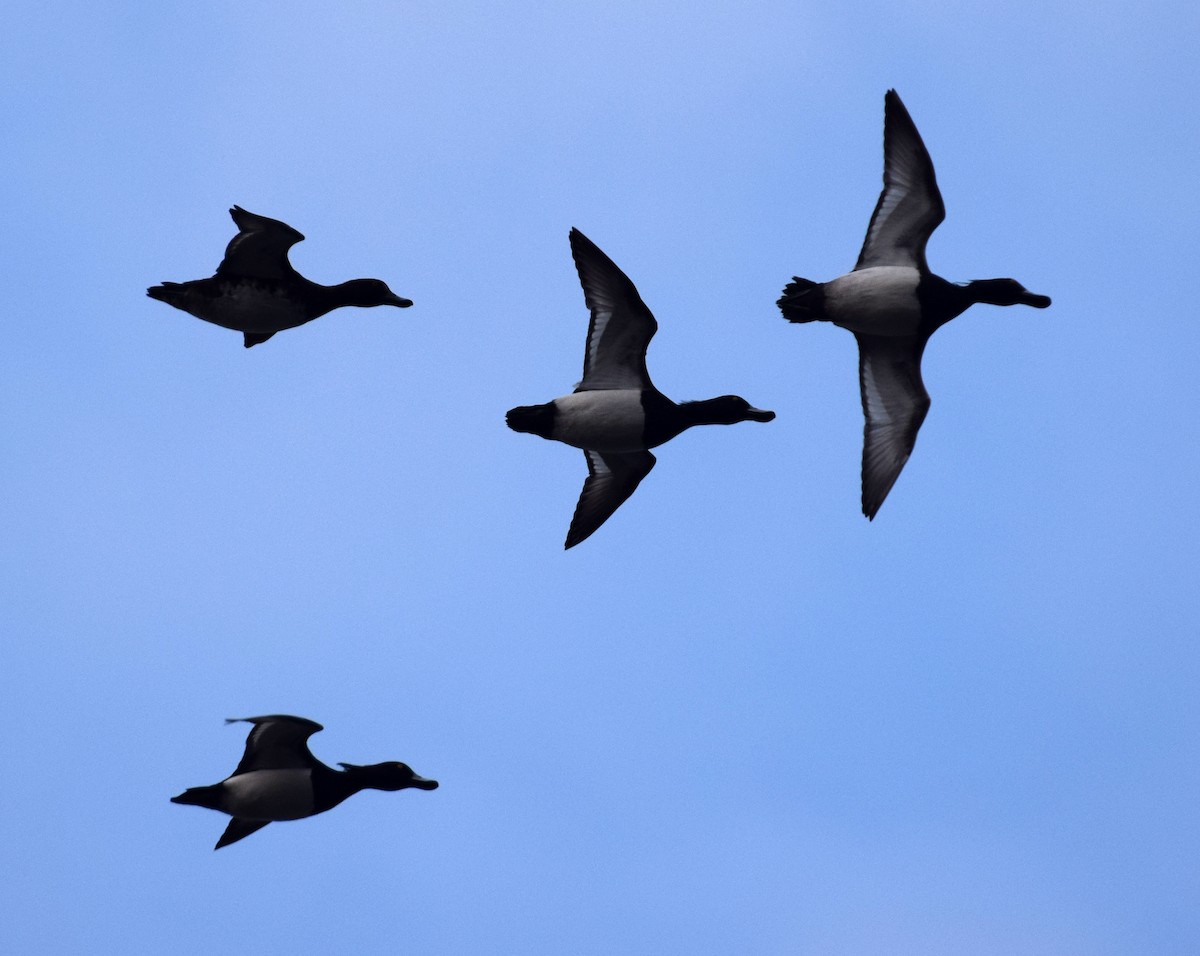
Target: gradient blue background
<point x="740" y="719"/>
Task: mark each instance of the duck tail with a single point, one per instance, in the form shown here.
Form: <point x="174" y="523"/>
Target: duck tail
<point x="534" y="419"/>
<point x="802" y="300"/>
<point x="167" y="292"/>
<point x="200" y="797"/>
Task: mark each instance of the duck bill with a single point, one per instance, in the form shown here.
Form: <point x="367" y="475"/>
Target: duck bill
<point x="398" y="301"/>
<point x="424" y="783"/>
<point x="1037" y="301"/>
<point x="759" y="415"/>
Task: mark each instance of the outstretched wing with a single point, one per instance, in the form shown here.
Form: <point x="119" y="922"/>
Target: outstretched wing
<point x="277" y="742"/>
<point x="260" y="249"/>
<point x="621" y="326"/>
<point x="612" y="478"/>
<point x="910" y="206"/>
<point x="894" y="402"/>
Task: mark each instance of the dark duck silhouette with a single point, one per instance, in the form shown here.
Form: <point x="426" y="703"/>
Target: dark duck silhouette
<point x="257" y="292"/>
<point x="280" y="779"/>
<point x="893" y="303"/>
<point x="616" y="414"/>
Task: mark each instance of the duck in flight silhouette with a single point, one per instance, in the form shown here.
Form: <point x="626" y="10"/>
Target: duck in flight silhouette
<point x="279" y="779"/>
<point x="893" y="303"/>
<point x="257" y="292"/>
<point x="615" y="414"/>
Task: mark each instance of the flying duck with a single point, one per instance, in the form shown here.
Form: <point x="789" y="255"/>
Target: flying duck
<point x="893" y="303"/>
<point x="280" y="779"/>
<point x="616" y="414"/>
<point x="257" y="292"/>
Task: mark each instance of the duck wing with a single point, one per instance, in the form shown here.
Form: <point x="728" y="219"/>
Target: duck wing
<point x="277" y="742"/>
<point x="252" y="339"/>
<point x="910" y="206"/>
<point x="239" y="829"/>
<point x="894" y="402"/>
<point x="260" y="248"/>
<point x="612" y="478"/>
<point x="621" y="326"/>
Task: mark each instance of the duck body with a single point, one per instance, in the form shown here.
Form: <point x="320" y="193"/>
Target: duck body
<point x="896" y="301"/>
<point x="613" y="420"/>
<point x="626" y="420"/>
<point x="279" y="779"/>
<point x="280" y="794"/>
<point x="893" y="303"/>
<point x="241" y="303"/>
<point x="883" y="298"/>
<point x="257" y="292"/>
<point x="274" y="794"/>
<point x="616" y="415"/>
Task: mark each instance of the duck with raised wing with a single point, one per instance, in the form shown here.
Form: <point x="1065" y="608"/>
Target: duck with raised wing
<point x="616" y="414"/>
<point x="280" y="779"/>
<point x="893" y="303"/>
<point x="257" y="292"/>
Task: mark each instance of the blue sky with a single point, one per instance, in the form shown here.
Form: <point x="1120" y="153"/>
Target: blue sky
<point x="740" y="718"/>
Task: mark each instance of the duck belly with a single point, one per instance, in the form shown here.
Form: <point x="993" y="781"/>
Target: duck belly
<point x="881" y="300"/>
<point x="608" y="420"/>
<point x="269" y="795"/>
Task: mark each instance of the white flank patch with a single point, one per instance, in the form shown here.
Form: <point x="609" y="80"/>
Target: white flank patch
<point x="269" y="795"/>
<point x="878" y="301"/>
<point x="607" y="420"/>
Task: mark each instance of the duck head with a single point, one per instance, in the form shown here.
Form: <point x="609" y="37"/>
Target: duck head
<point x="392" y="775"/>
<point x="1005" y="292"/>
<point x="727" y="410"/>
<point x="369" y="292"/>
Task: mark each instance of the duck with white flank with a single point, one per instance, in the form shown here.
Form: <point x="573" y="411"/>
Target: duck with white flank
<point x="616" y="414"/>
<point x="280" y="779"/>
<point x="893" y="303"/>
<point x="258" y="293"/>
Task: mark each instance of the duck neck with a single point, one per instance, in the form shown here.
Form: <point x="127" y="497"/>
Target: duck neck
<point x="942" y="301"/>
<point x="705" y="411"/>
<point x="326" y="298"/>
<point x="989" y="291"/>
<point x="331" y="787"/>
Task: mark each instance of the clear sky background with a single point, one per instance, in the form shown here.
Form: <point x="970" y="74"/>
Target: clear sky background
<point x="740" y="718"/>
